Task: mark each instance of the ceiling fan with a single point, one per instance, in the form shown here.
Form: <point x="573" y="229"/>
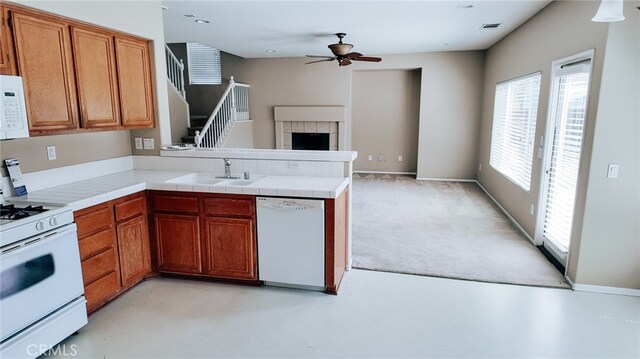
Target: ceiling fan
<point x="342" y="54"/>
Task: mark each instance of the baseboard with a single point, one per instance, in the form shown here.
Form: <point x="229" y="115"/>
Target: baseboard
<point x="385" y="172"/>
<point x="513" y="220"/>
<point x="606" y="290"/>
<point x="445" y="179"/>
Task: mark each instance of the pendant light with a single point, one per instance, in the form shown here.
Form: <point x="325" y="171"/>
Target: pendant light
<point x="609" y="11"/>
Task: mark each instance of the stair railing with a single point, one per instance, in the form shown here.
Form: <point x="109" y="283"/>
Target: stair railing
<point x="175" y="71"/>
<point x="233" y="106"/>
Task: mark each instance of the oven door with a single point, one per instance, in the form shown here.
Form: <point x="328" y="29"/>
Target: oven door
<point x="38" y="275"/>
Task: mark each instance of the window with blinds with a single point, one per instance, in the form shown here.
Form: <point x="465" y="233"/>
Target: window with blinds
<point x="514" y="126"/>
<point x="204" y="65"/>
<point x="571" y="85"/>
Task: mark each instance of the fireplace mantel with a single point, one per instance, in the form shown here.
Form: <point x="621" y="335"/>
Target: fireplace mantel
<point x="310" y="119"/>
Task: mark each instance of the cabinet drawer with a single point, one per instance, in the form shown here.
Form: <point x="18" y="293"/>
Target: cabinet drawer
<point x="101" y="290"/>
<point x="229" y="206"/>
<point x="94" y="221"/>
<point x="170" y="203"/>
<point x="96" y="243"/>
<point x="130" y="208"/>
<point x="98" y="265"/>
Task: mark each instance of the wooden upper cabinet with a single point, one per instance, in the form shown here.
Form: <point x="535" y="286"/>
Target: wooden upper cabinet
<point x="134" y="79"/>
<point x="95" y="66"/>
<point x="7" y="53"/>
<point x="44" y="57"/>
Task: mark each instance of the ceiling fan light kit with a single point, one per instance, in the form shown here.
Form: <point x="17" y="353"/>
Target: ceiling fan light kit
<point x="609" y="11"/>
<point x="341" y="53"/>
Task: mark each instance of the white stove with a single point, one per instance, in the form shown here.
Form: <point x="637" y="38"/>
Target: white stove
<point x="23" y="220"/>
<point x="41" y="289"/>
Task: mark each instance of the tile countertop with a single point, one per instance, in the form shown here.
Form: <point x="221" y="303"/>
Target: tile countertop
<point x="83" y="194"/>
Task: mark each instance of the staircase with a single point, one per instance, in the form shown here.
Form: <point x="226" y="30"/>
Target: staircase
<point x="232" y="107"/>
<point x="214" y="130"/>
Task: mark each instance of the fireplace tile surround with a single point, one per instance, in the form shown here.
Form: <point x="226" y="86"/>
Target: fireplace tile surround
<point x="310" y="119"/>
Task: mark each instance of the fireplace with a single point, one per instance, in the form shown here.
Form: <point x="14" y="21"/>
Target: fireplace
<point x="328" y="121"/>
<point x="310" y="141"/>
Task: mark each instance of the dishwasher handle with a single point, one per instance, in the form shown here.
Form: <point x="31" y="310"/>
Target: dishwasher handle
<point x="289" y="204"/>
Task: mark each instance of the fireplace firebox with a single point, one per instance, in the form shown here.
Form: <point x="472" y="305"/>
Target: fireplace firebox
<point x="310" y="141"/>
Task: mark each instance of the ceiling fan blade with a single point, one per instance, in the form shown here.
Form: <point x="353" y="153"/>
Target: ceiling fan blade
<point x="353" y="55"/>
<point x="313" y="62"/>
<point x="368" y="59"/>
<point x="322" y="56"/>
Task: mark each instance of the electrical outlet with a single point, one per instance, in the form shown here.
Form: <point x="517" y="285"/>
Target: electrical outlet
<point x="138" y="141"/>
<point x="294" y="165"/>
<point x="370" y="157"/>
<point x="399" y="158"/>
<point x="532" y="209"/>
<point x="612" y="171"/>
<point x="51" y="153"/>
<point x="148" y="143"/>
<point x="540" y="152"/>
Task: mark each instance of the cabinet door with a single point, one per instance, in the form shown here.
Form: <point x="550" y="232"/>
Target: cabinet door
<point x="134" y="79"/>
<point x="178" y="242"/>
<point x="95" y="67"/>
<point x="7" y="54"/>
<point x="43" y="53"/>
<point x="230" y="249"/>
<point x="133" y="249"/>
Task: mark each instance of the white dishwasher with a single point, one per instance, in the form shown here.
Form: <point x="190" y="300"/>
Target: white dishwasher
<point x="291" y="242"/>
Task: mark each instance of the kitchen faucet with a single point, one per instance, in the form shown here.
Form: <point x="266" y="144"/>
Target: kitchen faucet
<point x="227" y="169"/>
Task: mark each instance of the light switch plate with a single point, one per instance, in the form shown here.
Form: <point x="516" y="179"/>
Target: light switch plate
<point x="540" y="152"/>
<point x="294" y="165"/>
<point x="138" y="141"/>
<point x="399" y="158"/>
<point x="612" y="171"/>
<point x="148" y="143"/>
<point x="51" y="153"/>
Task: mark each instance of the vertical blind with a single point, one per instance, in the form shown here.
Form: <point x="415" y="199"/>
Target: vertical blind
<point x="569" y="118"/>
<point x="514" y="126"/>
<point x="204" y="65"/>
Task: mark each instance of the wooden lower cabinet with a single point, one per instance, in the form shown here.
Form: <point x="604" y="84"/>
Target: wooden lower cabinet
<point x="178" y="242"/>
<point x="133" y="243"/>
<point x="230" y="248"/>
<point x="210" y="235"/>
<point x="114" y="249"/>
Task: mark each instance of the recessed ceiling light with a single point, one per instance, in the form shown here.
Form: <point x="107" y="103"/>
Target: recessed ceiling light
<point x="270" y="50"/>
<point x="200" y="21"/>
<point x="444" y="44"/>
<point x="189" y="15"/>
<point x="466" y="6"/>
<point x="164" y="7"/>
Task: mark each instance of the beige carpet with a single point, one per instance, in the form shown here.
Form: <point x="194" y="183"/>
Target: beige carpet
<point x="443" y="229"/>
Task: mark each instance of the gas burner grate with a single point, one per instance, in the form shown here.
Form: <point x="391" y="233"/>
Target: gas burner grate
<point x="13" y="212"/>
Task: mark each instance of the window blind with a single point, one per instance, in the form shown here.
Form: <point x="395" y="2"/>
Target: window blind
<point x="204" y="65"/>
<point x="514" y="126"/>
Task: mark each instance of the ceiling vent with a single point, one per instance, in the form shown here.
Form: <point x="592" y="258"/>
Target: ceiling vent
<point x="489" y="26"/>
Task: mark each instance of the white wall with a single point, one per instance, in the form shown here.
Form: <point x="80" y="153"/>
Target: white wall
<point x="604" y="246"/>
<point x="450" y="97"/>
<point x="608" y="250"/>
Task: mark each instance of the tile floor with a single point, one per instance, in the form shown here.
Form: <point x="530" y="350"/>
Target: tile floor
<point x="376" y="314"/>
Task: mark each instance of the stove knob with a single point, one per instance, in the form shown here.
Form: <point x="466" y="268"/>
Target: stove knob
<point x="40" y="226"/>
<point x="53" y="221"/>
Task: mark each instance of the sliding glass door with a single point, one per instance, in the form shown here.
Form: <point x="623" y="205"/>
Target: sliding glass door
<point x="565" y="128"/>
